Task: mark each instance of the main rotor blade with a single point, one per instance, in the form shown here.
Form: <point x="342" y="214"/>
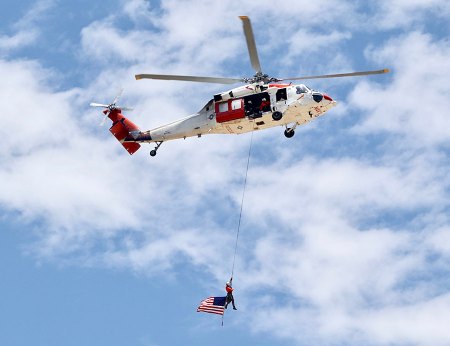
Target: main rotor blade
<point x="251" y="45"/>
<point x="218" y="80"/>
<point x="351" y="74"/>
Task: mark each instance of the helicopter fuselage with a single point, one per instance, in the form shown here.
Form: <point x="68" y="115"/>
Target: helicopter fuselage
<point x="247" y="108"/>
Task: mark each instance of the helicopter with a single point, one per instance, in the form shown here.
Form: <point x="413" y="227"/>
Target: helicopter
<point x="262" y="102"/>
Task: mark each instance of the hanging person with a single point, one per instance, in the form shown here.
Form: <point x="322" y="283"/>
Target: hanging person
<point x="229" y="298"/>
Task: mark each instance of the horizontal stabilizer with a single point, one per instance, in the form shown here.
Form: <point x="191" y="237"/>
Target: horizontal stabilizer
<point x="131" y="147"/>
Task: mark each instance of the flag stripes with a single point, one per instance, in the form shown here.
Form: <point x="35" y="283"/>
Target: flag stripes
<point x="212" y="305"/>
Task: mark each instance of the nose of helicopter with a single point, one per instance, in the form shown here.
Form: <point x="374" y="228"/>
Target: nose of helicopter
<point x="326" y="97"/>
<point x="330" y="103"/>
<point x="318" y="97"/>
<point x="323" y="103"/>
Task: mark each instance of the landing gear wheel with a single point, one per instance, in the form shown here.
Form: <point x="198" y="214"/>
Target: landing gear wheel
<point x="153" y="152"/>
<point x="277" y="116"/>
<point x="289" y="133"/>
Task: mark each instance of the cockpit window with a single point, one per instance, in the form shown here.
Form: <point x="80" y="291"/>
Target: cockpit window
<point x="301" y="89"/>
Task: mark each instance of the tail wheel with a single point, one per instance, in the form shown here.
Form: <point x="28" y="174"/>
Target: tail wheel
<point x="289" y="133"/>
<point x="277" y="116"/>
<point x="153" y="152"/>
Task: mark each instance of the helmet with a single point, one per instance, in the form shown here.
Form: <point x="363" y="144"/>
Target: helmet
<point x="228" y="283"/>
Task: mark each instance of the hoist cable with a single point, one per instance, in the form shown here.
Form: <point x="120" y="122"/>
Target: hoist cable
<point x="242" y="204"/>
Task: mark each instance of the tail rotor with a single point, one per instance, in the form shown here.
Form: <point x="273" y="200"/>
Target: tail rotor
<point x="112" y="106"/>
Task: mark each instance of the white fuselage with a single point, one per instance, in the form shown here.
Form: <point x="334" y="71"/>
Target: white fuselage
<point x="247" y="108"/>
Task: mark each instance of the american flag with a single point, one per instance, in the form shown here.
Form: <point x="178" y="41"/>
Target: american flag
<point x="212" y="305"/>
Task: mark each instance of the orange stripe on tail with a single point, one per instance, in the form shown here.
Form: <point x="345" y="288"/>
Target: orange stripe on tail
<point x="123" y="128"/>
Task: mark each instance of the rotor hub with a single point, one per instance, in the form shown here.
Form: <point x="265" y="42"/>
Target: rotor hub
<point x="260" y="77"/>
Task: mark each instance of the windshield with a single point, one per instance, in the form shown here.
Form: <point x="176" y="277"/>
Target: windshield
<point x="301" y="89"/>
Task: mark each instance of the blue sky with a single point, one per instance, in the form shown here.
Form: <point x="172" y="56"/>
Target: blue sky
<point x="345" y="232"/>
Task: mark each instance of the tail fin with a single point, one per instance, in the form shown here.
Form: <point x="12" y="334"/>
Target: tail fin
<point x="124" y="130"/>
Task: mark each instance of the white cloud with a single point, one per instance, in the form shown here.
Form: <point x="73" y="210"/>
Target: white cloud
<point x="344" y="185"/>
<point x="140" y="11"/>
<point x="17" y="40"/>
<point x="421" y="323"/>
<point x="103" y="41"/>
<point x="305" y="42"/>
<point x="36" y="12"/>
<point x="26" y="29"/>
<point x="414" y="104"/>
<point x="405" y="13"/>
